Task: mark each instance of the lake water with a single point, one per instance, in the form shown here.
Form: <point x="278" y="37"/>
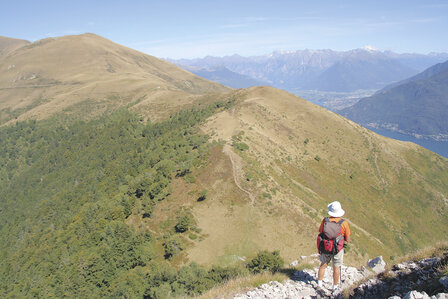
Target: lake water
<point x="438" y="147"/>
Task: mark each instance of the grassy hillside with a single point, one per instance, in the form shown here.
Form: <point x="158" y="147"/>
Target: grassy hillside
<point x="88" y="75"/>
<point x="8" y="45"/>
<point x="119" y="207"/>
<point x="290" y="159"/>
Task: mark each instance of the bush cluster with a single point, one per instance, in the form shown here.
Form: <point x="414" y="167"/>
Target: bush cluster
<point x="184" y="223"/>
<point x="266" y="261"/>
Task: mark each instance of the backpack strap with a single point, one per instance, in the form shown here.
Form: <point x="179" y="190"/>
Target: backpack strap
<point x="326" y="219"/>
<point x="341" y="221"/>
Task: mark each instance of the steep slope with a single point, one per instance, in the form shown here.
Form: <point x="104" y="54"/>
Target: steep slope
<point x="284" y="159"/>
<point x="417" y="107"/>
<point x="426" y="74"/>
<point x="87" y="74"/>
<point x="8" y="45"/>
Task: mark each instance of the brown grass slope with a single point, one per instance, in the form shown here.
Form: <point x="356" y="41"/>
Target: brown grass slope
<point x="300" y="158"/>
<point x="8" y="44"/>
<point x="87" y="74"/>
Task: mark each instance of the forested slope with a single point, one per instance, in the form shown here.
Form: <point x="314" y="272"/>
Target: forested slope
<point x="66" y="190"/>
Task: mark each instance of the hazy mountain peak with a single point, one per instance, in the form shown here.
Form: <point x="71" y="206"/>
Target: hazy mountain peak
<point x="370" y="48"/>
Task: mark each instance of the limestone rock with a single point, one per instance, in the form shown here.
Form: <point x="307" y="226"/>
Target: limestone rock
<point x="377" y="264"/>
<point x="416" y="295"/>
<point x="294" y="263"/>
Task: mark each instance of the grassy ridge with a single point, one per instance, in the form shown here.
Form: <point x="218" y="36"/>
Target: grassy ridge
<point x="299" y="157"/>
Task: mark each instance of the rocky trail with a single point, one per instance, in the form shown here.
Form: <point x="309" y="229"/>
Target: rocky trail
<point x="410" y="280"/>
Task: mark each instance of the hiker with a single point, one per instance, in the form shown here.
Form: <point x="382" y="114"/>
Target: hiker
<point x="334" y="234"/>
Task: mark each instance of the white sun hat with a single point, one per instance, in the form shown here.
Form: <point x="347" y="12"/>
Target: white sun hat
<point x="335" y="209"/>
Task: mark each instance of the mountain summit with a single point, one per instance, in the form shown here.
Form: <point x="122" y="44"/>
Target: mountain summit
<point x="86" y="72"/>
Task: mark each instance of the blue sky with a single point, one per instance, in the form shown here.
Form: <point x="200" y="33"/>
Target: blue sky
<point x="188" y="29"/>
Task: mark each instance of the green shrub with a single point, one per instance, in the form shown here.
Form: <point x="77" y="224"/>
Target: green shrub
<point x="241" y="146"/>
<point x="173" y="246"/>
<point x="317" y="158"/>
<point x="202" y="195"/>
<point x="266" y="261"/>
<point x="183" y="223"/>
<point x="267" y="195"/>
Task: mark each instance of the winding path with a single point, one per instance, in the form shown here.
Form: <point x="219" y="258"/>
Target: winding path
<point x="237" y="170"/>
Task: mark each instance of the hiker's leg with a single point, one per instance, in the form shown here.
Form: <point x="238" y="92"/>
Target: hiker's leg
<point x="336" y="275"/>
<point x="324" y="261"/>
<point x="321" y="272"/>
<point x="337" y="264"/>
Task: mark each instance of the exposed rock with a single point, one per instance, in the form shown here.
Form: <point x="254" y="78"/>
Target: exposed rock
<point x="294" y="263"/>
<point x="304" y="285"/>
<point x="377" y="264"/>
<point x="444" y="281"/>
<point x="431" y="262"/>
<point x="416" y="295"/>
<point x="402" y="281"/>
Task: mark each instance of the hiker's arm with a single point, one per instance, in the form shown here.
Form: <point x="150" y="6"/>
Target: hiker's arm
<point x="348" y="239"/>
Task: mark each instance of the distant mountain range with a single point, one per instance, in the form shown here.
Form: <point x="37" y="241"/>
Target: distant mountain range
<point x="225" y="76"/>
<point x="324" y="70"/>
<point x="417" y="106"/>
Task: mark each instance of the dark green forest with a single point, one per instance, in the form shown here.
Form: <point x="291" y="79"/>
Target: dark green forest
<point x="66" y="190"/>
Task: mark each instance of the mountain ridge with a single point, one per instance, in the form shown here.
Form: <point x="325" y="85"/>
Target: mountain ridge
<point x="61" y="74"/>
<point x="301" y="69"/>
<point x="415" y="107"/>
<point x="8" y="45"/>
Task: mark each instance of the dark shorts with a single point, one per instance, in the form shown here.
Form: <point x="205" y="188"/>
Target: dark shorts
<point x="338" y="259"/>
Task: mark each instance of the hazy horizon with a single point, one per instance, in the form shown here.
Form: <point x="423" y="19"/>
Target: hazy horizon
<point x="194" y="29"/>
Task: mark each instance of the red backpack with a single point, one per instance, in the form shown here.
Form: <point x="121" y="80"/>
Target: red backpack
<point x="331" y="240"/>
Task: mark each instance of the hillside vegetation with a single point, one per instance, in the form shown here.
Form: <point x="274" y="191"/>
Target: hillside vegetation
<point x="67" y="190"/>
<point x="290" y="159"/>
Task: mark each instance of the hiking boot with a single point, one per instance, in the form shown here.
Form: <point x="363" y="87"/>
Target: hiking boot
<point x="336" y="289"/>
